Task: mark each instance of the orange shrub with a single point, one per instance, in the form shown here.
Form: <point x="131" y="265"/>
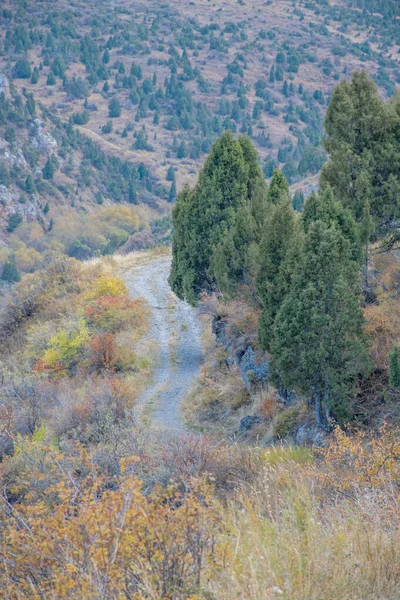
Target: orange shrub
<point x="104" y="352"/>
<point x="89" y="537"/>
<point x="355" y="462"/>
<point x="268" y="405"/>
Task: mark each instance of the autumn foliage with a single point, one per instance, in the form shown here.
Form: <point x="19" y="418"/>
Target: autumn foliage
<point x="93" y="537"/>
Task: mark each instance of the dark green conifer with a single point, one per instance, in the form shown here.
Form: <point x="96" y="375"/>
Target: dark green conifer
<point x="394" y="368"/>
<point x="217" y="223"/>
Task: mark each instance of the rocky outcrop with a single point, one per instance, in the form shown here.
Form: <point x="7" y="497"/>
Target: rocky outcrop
<point x="4" y="85"/>
<point x="242" y="353"/>
<point x="40" y="139"/>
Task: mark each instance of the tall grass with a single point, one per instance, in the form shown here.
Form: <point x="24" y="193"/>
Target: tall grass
<point x="282" y="539"/>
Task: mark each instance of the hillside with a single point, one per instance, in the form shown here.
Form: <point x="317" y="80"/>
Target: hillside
<point x="122" y="102"/>
<point x="199" y="300"/>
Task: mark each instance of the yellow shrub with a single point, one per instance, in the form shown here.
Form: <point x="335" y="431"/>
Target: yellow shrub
<point x="64" y="349"/>
<point x="107" y="286"/>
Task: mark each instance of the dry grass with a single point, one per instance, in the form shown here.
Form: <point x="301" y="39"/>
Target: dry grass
<point x="125" y="262"/>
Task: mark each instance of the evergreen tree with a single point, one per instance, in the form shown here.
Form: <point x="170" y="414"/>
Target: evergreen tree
<point x="217" y="222"/>
<point x="278" y="238"/>
<point x="363" y="144"/>
<point x="35" y="76"/>
<point x="272" y="74"/>
<point x="30" y="187"/>
<point x="366" y="231"/>
<point x="106" y="57"/>
<point x="22" y="68"/>
<point x="172" y="192"/>
<point x="51" y="79"/>
<point x="114" y="108"/>
<point x="10" y="272"/>
<point x="49" y="170"/>
<point x="132" y="196"/>
<point x="278" y="187"/>
<point x="298" y="201"/>
<point x="171" y="173"/>
<point x="394" y="368"/>
<point x="318" y="342"/>
<point x="181" y="153"/>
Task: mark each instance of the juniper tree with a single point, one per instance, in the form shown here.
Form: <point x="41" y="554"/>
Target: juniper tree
<point x="318" y="344"/>
<point x="394" y="368"/>
<point x="10" y="272"/>
<point x="277" y="187"/>
<point x="363" y="145"/>
<point x="278" y="238"/>
<point x="217" y="223"/>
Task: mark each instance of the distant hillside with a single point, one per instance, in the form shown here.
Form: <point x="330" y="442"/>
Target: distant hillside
<point x="119" y="102"/>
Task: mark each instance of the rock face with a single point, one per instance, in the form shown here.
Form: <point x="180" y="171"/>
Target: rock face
<point x="42" y="140"/>
<point x="241" y="353"/>
<point x="4" y="85"/>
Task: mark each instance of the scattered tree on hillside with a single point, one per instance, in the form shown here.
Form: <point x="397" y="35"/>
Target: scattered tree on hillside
<point x="10" y="272"/>
<point x="114" y="108"/>
<point x="394" y="368"/>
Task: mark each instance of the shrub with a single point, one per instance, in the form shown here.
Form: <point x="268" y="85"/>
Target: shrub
<point x="107" y="286"/>
<point x="65" y="349"/>
<point x="112" y="313"/>
<point x="126" y="544"/>
<point x="287" y="421"/>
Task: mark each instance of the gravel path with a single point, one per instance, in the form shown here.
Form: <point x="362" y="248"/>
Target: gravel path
<point x="175" y="329"/>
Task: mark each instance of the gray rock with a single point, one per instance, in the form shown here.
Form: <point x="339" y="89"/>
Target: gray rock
<point x="252" y="364"/>
<point x="4" y="85"/>
<point x="42" y="140"/>
<point x="310" y="435"/>
<point x="248" y="423"/>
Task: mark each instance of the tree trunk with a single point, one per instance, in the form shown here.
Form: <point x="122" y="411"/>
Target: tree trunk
<point x="326" y="401"/>
<point x="318" y="408"/>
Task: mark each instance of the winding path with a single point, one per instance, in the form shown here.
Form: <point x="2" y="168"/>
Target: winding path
<point x="175" y="329"/>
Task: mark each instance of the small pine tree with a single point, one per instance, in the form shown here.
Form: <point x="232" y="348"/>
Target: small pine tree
<point x="22" y="69"/>
<point x="298" y="201"/>
<point x="46" y="208"/>
<point x="394" y="368"/>
<point x="49" y="170"/>
<point x="272" y="74"/>
<point x="51" y="79"/>
<point x="114" y="108"/>
<point x="35" y="76"/>
<point x="171" y="174"/>
<point x="132" y="197"/>
<point x="172" y="192"/>
<point x="10" y="272"/>
<point x="30" y="187"/>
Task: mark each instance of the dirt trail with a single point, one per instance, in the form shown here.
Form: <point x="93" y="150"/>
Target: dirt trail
<point x="175" y="329"/>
